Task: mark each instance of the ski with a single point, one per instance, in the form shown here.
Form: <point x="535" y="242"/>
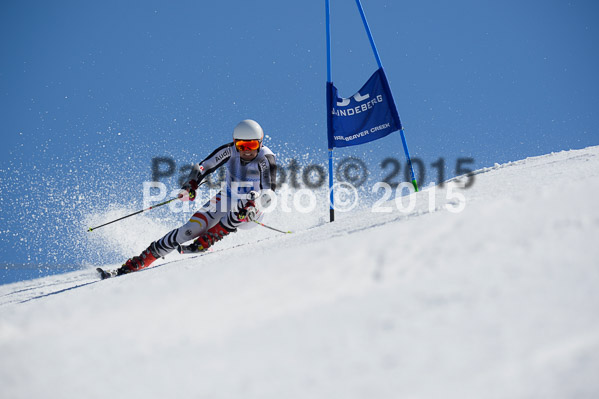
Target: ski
<point x="190" y="249"/>
<point x="182" y="249"/>
<point x="104" y="274"/>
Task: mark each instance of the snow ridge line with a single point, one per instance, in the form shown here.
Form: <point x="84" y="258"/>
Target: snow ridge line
<point x="79" y="282"/>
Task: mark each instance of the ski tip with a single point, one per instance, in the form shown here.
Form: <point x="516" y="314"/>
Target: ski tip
<point x="103" y="273"/>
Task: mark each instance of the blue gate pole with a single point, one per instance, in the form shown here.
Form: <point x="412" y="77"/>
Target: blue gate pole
<point x="374" y="50"/>
<point x="380" y="64"/>
<point x="405" y="149"/>
<point x="329" y="127"/>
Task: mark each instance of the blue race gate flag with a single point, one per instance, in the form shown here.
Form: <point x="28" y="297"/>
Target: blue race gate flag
<point x="368" y="115"/>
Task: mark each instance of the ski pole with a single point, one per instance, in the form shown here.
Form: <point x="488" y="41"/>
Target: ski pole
<point x="272" y="228"/>
<point x="133" y="214"/>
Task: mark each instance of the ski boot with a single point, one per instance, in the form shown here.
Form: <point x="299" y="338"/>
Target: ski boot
<point x="202" y="243"/>
<point x="145" y="259"/>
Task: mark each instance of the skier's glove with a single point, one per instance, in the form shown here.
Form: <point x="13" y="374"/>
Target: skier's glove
<point x="247" y="207"/>
<point x="247" y="214"/>
<point x="188" y="191"/>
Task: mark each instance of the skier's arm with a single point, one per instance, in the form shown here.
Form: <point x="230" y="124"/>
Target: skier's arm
<point x="211" y="163"/>
<point x="260" y="200"/>
<point x="251" y="203"/>
<point x="268" y="173"/>
<point x="200" y="170"/>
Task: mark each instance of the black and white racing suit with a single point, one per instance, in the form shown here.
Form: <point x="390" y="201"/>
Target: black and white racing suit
<point x="242" y="177"/>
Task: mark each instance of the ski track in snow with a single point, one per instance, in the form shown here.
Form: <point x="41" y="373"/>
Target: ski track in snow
<point x="498" y="301"/>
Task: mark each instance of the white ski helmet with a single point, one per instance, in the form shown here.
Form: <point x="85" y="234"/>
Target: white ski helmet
<point x="248" y="130"/>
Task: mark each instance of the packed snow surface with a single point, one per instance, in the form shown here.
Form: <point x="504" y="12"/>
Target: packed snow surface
<point x="498" y="300"/>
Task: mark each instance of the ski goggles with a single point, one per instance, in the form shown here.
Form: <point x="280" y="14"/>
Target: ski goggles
<point x="247" y="145"/>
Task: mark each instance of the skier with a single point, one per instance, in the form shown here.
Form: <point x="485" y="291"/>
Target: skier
<point x="251" y="175"/>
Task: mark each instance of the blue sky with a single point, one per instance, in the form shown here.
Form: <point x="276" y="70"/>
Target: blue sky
<point x="90" y="92"/>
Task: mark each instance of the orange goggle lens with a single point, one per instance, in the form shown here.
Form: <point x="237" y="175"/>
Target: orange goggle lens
<point x="247" y="145"/>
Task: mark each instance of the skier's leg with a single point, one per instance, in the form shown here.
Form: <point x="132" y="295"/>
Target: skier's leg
<point x="230" y="222"/>
<point x="197" y="225"/>
<point x="163" y="246"/>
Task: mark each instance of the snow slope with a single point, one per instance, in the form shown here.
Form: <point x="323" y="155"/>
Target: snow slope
<point x="500" y="300"/>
